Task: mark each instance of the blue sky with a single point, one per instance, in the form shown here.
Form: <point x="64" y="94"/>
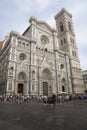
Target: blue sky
<point x="15" y="14"/>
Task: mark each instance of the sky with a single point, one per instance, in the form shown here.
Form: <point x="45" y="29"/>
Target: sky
<point x="15" y="15"/>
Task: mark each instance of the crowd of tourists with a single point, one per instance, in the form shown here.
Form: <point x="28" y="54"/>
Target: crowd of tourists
<point x="20" y="98"/>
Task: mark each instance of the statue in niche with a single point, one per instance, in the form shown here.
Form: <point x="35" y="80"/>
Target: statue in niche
<point x="33" y="74"/>
<point x="11" y="71"/>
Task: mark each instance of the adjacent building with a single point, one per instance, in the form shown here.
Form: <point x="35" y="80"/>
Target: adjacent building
<point x="42" y="60"/>
<point x="84" y="75"/>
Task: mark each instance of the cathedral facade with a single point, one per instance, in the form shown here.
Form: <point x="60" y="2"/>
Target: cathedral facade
<point x="42" y="60"/>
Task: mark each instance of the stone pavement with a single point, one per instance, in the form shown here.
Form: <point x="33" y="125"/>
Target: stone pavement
<point x="35" y="116"/>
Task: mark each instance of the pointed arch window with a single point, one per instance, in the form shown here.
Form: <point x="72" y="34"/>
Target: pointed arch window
<point x="61" y="27"/>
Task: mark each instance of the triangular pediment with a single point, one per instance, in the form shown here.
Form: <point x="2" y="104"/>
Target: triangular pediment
<point x="44" y="25"/>
<point x="40" y="24"/>
<point x="45" y="62"/>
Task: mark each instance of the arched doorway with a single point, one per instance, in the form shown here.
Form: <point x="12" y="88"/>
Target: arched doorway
<point x="20" y="88"/>
<point x="46" y="82"/>
<point x="21" y="83"/>
<point x="63" y="89"/>
<point x="63" y="85"/>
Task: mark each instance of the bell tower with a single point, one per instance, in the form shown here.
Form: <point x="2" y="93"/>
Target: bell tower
<point x="67" y="43"/>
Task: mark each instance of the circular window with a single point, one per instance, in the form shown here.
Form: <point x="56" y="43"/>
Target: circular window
<point x="44" y="39"/>
<point x="22" y="56"/>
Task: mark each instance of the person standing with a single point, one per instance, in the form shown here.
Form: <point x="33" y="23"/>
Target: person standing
<point x="54" y="100"/>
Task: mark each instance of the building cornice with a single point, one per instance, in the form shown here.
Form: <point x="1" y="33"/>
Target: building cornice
<point x="61" y="12"/>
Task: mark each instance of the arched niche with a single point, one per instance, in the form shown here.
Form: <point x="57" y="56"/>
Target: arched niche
<point x="46" y="74"/>
<point x="22" y="76"/>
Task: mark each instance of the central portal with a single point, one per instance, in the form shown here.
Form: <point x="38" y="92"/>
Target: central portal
<point x="47" y="82"/>
<point x="45" y="88"/>
<point x="20" y="88"/>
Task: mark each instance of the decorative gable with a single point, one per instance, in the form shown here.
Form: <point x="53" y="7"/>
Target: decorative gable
<point x="44" y="26"/>
<point x="45" y="62"/>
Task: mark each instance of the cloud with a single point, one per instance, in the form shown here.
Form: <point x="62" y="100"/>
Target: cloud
<point x="83" y="61"/>
<point x="42" y="5"/>
<point x="24" y="6"/>
<point x="35" y="6"/>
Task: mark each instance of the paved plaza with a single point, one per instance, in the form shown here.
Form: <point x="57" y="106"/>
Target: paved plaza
<point x="35" y="116"/>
